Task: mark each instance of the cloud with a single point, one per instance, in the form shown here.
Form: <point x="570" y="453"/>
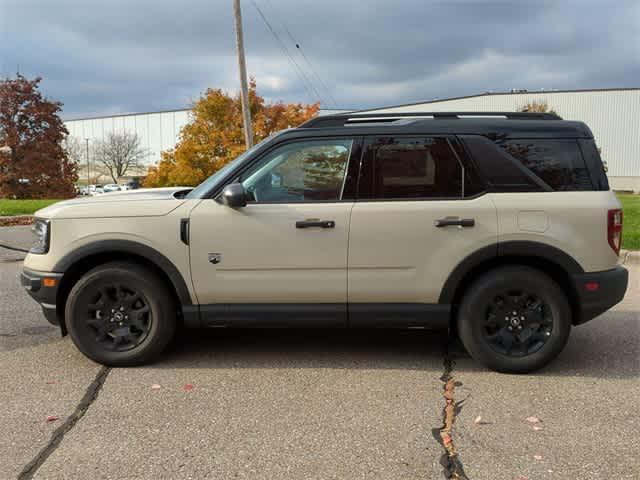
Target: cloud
<point x="105" y="57"/>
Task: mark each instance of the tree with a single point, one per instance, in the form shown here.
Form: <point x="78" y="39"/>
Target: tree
<point x="119" y="152"/>
<point x="538" y="107"/>
<point x="74" y="149"/>
<point x="35" y="165"/>
<point x="214" y="136"/>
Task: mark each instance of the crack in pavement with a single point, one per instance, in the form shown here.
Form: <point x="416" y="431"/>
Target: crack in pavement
<point x="13" y="247"/>
<point x="58" y="434"/>
<point x="450" y="460"/>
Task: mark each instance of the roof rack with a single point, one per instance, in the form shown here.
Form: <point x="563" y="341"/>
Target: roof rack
<point x="345" y="119"/>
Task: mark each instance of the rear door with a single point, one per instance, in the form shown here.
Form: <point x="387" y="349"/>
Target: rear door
<point x="420" y="211"/>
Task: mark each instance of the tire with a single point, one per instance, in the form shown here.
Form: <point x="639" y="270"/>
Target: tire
<point x="121" y="314"/>
<point x="514" y="319"/>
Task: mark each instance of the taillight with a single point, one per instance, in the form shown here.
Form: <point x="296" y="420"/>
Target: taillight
<point x="614" y="229"/>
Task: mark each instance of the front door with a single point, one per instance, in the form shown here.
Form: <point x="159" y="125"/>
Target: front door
<point x="283" y="257"/>
<point x="419" y="213"/>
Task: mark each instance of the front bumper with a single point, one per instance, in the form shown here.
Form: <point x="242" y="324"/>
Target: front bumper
<point x="592" y="301"/>
<point x="33" y="282"/>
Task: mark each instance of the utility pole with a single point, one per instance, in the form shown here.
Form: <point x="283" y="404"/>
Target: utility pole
<point x="244" y="88"/>
<point x="88" y="171"/>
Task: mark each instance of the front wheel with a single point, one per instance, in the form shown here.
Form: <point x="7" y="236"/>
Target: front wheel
<point x="120" y="314"/>
<point x="514" y="319"/>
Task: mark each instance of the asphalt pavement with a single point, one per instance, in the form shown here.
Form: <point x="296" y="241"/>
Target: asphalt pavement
<point x="314" y="404"/>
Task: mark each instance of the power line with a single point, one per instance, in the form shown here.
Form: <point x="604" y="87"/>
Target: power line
<point x="299" y="48"/>
<point x="303" y="78"/>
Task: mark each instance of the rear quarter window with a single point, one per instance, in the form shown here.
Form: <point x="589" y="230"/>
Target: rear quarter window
<point x="558" y="163"/>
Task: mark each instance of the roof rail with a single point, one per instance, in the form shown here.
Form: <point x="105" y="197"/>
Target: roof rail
<point x="342" y="119"/>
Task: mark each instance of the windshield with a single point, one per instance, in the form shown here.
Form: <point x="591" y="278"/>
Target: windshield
<point x="211" y="182"/>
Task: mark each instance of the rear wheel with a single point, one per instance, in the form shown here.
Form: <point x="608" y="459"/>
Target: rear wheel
<point x="120" y="314"/>
<point x="514" y="319"/>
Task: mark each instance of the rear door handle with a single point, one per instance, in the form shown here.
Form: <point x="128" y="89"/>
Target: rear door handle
<point x="455" y="221"/>
<point x="312" y="222"/>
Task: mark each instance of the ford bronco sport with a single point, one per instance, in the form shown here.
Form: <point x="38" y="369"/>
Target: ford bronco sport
<point x="498" y="226"/>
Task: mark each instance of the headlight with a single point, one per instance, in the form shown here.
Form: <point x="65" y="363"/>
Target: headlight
<point x="42" y="233"/>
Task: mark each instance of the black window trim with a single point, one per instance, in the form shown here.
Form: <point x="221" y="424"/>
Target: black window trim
<point x="450" y="139"/>
<point x="594" y="165"/>
<point x="356" y="150"/>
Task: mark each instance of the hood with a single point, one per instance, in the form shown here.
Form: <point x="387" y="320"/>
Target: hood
<point x="130" y="203"/>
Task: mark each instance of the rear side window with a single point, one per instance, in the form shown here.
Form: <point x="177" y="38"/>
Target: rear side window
<point x="411" y="168"/>
<point x="559" y="163"/>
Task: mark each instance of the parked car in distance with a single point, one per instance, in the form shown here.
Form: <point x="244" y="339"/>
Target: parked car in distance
<point x="111" y="187"/>
<point x="500" y="227"/>
<point x="95" y="189"/>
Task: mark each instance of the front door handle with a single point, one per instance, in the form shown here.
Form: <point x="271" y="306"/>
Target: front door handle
<point x="455" y="221"/>
<point x="313" y="222"/>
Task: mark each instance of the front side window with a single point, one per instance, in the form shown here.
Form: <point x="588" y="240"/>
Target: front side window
<point x="558" y="163"/>
<point x="411" y="168"/>
<point x="303" y="171"/>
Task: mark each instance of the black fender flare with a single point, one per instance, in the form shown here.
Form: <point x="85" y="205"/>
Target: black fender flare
<point x="133" y="248"/>
<point x="514" y="248"/>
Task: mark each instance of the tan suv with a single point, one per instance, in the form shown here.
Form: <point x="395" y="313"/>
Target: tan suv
<point x="500" y="227"/>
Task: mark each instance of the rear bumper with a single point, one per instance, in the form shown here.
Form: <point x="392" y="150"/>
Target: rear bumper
<point x="611" y="287"/>
<point x="32" y="281"/>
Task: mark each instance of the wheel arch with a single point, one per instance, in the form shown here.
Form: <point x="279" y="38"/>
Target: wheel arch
<point x="78" y="262"/>
<point x="545" y="258"/>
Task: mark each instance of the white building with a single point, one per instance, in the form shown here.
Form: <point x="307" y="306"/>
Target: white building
<point x="612" y="114"/>
<point x="158" y="131"/>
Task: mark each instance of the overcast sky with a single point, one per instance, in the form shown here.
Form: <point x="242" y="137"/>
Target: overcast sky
<point x="117" y="56"/>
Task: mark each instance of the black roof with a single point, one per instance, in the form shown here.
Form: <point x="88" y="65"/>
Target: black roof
<point x="490" y="124"/>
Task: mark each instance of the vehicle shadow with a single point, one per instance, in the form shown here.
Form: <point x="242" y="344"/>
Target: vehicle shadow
<point x="308" y="348"/>
<point x="607" y="347"/>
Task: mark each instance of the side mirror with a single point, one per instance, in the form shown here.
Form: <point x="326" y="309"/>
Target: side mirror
<point x="234" y="195"/>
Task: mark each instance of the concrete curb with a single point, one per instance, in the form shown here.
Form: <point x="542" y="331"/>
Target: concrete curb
<point x="630" y="257"/>
<point x="16" y="220"/>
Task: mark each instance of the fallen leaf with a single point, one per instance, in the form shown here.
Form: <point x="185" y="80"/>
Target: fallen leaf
<point x="52" y="418"/>
<point x="538" y="457"/>
<point x="521" y="478"/>
<point x="187" y="387"/>
<point x="51" y="382"/>
<point x="155" y="386"/>
<point x="533" y="420"/>
<point x="480" y="421"/>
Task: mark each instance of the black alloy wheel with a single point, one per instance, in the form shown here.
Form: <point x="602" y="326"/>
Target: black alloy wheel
<point x="121" y="314"/>
<point x="517" y="323"/>
<point x="514" y="319"/>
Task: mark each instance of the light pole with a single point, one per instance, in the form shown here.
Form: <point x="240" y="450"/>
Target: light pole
<point x="88" y="171"/>
<point x="244" y="89"/>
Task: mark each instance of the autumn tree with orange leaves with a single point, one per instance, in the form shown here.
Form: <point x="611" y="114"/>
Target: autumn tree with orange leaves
<point x="214" y="136"/>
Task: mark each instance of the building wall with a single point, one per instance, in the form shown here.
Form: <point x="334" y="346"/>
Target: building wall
<point x="612" y="115"/>
<point x="158" y="131"/>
